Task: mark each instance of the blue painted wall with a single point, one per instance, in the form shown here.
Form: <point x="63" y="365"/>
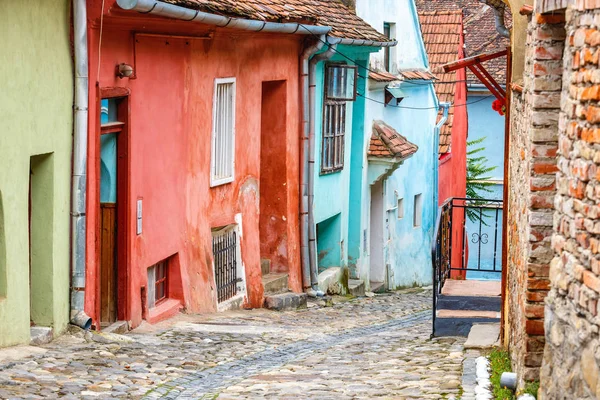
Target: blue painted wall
<point x="485" y="122"/>
<point x="407" y="249"/>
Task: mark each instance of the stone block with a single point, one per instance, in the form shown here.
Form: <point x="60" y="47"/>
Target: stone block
<point x="41" y="335"/>
<point x="286" y="301"/>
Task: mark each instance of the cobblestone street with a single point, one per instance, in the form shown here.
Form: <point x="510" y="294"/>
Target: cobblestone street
<point x="376" y="347"/>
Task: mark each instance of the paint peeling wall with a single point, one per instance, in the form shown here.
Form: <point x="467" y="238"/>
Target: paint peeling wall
<point x="171" y="105"/>
<point x="36" y="104"/>
<point x="407" y="249"/>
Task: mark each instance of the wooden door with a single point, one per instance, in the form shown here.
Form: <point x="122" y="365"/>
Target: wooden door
<point x="108" y="263"/>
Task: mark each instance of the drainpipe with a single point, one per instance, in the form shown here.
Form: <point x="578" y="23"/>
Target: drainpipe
<point x="304" y="209"/>
<point x="167" y="10"/>
<point x="498" y="7"/>
<point x="312" y="240"/>
<point x="436" y="149"/>
<point x="78" y="181"/>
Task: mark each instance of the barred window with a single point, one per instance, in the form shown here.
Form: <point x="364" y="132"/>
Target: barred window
<point x="334" y="130"/>
<point x="223" y="133"/>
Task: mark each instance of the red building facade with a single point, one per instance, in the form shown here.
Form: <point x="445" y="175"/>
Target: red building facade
<point x="205" y="140"/>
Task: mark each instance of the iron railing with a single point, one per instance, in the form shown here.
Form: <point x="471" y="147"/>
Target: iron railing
<point x="477" y="225"/>
<point x="225" y="259"/>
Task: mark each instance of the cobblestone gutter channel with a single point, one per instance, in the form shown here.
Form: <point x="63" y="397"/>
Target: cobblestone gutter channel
<point x="206" y="383"/>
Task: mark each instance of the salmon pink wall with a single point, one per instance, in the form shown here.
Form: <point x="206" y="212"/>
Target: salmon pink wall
<point x="170" y="150"/>
<point x="453" y="167"/>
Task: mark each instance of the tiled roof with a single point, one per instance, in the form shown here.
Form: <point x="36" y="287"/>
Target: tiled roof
<point x="409" y="75"/>
<point x="383" y="76"/>
<point x="442" y="32"/>
<point x="345" y="23"/>
<point x="386" y="142"/>
<point x="481" y="35"/>
<point x="417" y="74"/>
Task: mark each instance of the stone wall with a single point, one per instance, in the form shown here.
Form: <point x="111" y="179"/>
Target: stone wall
<point x="532" y="168"/>
<point x="572" y="351"/>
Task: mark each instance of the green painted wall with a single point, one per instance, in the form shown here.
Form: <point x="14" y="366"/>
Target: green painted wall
<point x="35" y="135"/>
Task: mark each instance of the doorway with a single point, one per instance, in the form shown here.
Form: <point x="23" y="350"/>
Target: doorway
<point x="273" y="178"/>
<point x="376" y="259"/>
<point x="113" y="209"/>
<point x="41" y="206"/>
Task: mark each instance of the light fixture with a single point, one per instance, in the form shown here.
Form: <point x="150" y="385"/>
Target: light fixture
<point x="124" y="70"/>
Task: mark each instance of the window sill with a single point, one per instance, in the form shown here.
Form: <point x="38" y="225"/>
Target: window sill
<point x="164" y="310"/>
<point x="335" y="171"/>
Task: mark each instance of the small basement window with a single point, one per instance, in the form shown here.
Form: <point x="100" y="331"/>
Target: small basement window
<point x="418" y="217"/>
<point x="158" y="283"/>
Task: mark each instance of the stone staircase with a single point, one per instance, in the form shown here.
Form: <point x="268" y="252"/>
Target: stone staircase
<point x="278" y="296"/>
<point x="464" y="303"/>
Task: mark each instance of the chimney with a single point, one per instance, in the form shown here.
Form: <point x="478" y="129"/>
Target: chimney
<point x="351" y="4"/>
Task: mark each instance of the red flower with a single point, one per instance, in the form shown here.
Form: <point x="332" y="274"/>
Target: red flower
<point x="499" y="106"/>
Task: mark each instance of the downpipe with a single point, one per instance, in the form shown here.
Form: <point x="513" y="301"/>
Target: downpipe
<point x="312" y="240"/>
<point x="304" y="210"/>
<point x="445" y="106"/>
<point x="78" y="316"/>
<point x="499" y="7"/>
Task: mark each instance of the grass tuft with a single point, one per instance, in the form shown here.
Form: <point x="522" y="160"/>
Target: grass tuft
<point x="499" y="363"/>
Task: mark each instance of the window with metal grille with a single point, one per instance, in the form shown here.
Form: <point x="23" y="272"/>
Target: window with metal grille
<point x="334" y="131"/>
<point x="158" y="284"/>
<point x="225" y="256"/>
<point x="222" y="163"/>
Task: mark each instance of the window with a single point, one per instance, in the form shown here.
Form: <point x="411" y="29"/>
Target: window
<point x="158" y="283"/>
<point x="389" y="53"/>
<point x="418" y="217"/>
<point x="340" y="87"/>
<point x="228" y="274"/>
<point x="222" y="163"/>
<point x="400" y="210"/>
<point x="341" y="82"/>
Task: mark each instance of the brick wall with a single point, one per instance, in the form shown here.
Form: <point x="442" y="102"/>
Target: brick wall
<point x="572" y="354"/>
<point x="532" y="187"/>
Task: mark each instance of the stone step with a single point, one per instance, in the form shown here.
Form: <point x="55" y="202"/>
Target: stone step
<point x="459" y="326"/>
<point x="286" y="301"/>
<point x="377" y="287"/>
<point x="265" y="266"/>
<point x="118" y="327"/>
<point x="275" y="283"/>
<point x="356" y="287"/>
<point x="40" y="335"/>
<point x="479" y="303"/>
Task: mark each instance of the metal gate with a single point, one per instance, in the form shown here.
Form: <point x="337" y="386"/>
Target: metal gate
<point x="225" y="260"/>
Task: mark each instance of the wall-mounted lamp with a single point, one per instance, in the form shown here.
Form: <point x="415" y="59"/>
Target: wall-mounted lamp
<point x="124" y="70"/>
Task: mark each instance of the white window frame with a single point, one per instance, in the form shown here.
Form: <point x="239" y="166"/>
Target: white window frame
<point x="213" y="180"/>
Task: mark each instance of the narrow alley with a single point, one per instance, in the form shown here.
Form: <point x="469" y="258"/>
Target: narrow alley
<point x="370" y="347"/>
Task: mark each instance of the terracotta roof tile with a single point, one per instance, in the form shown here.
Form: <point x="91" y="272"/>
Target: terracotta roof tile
<point x="383" y="76"/>
<point x="408" y="75"/>
<point x="442" y="32"/>
<point x="481" y="35"/>
<point x="345" y="23"/>
<point x="386" y="142"/>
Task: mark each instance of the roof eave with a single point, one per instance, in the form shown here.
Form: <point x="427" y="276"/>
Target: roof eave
<point x="360" y="42"/>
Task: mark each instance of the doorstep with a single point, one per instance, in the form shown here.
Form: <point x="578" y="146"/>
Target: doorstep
<point x="164" y="310"/>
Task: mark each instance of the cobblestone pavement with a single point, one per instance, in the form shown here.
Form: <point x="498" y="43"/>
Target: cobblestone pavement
<point x="363" y="348"/>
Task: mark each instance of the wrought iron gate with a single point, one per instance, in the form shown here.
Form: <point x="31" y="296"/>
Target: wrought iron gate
<point x="467" y="240"/>
<point x="225" y="260"/>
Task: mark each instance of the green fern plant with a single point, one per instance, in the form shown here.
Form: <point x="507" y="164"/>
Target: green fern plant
<point x="478" y="176"/>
